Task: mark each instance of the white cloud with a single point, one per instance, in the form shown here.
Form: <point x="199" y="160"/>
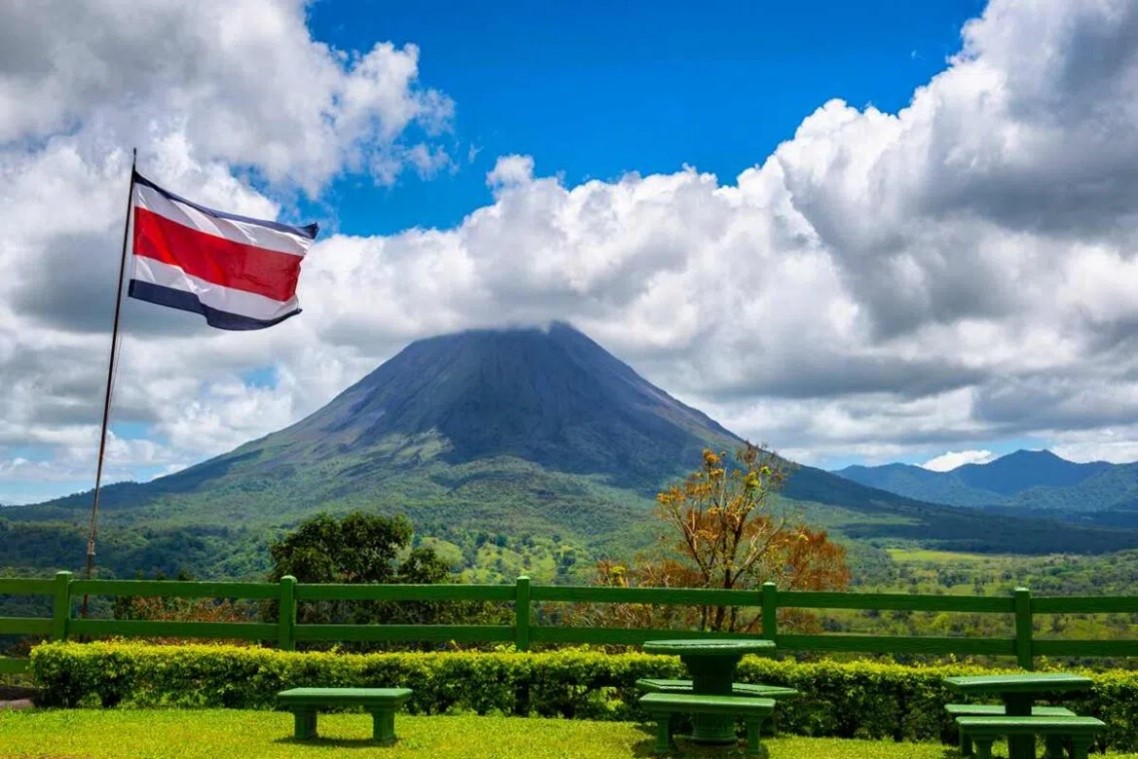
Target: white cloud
<point x="960" y="271"/>
<point x="1116" y="444"/>
<point x="242" y="82"/>
<point x="946" y="462"/>
<point x="234" y="87"/>
<point x="510" y="170"/>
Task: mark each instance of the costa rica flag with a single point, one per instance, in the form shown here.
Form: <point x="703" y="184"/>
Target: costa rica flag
<point x="239" y="273"/>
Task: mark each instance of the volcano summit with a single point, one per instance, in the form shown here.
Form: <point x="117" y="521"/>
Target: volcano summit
<point x="552" y="397"/>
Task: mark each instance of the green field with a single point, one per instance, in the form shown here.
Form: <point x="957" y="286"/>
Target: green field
<point x="915" y="555"/>
<point x="912" y="568"/>
<point x="173" y="734"/>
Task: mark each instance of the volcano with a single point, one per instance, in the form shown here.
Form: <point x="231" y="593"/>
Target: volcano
<point x="519" y="431"/>
<point x="552" y="397"/>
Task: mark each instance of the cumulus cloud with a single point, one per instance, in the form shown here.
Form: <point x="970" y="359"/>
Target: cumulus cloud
<point x="510" y="170"/>
<point x="241" y="82"/>
<point x="883" y="283"/>
<point x="213" y="94"/>
<point x="1107" y="444"/>
<point x="960" y="270"/>
<point x="946" y="462"/>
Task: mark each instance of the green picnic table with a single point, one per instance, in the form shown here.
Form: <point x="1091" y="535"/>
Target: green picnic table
<point x="712" y="663"/>
<point x="1018" y="692"/>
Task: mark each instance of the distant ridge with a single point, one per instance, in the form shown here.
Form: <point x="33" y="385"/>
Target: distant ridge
<point x="1029" y="481"/>
<point x="1022" y="470"/>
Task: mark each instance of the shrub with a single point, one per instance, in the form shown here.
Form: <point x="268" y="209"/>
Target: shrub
<point x="844" y="699"/>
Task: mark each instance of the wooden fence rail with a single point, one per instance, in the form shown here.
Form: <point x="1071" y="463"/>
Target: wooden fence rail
<point x="285" y="632"/>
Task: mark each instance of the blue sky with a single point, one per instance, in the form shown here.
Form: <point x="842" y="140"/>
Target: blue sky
<point x="593" y="90"/>
<point x="860" y="232"/>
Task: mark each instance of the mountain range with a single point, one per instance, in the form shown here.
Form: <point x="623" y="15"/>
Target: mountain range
<point x="517" y="432"/>
<point x="1023" y="482"/>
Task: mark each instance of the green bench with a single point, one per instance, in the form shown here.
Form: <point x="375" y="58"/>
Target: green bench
<point x="664" y="706"/>
<point x="657" y="685"/>
<point x="1080" y="731"/>
<point x="997" y="710"/>
<point x="382" y="703"/>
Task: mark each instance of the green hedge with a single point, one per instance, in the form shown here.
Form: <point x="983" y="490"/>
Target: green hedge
<point x="842" y="699"/>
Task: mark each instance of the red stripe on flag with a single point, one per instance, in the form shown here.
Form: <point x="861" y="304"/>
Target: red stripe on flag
<point x="215" y="259"/>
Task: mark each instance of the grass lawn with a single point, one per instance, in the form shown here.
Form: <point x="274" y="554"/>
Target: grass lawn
<point x="219" y="734"/>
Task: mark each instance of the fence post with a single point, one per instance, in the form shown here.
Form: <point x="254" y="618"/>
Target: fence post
<point x="286" y="618"/>
<point x="1023" y="628"/>
<point x="61" y="606"/>
<point x="521" y="614"/>
<point x="770" y="611"/>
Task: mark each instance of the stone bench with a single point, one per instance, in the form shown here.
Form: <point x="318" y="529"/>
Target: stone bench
<point x="1080" y="731"/>
<point x="753" y="711"/>
<point x="658" y="685"/>
<point x="997" y="710"/>
<point x="754" y="690"/>
<point x="382" y="703"/>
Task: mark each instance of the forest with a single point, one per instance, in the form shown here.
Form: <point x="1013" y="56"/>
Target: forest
<point x="457" y="553"/>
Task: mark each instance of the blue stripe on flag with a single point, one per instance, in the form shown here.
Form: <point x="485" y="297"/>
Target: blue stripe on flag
<point x="309" y="230"/>
<point x="180" y="299"/>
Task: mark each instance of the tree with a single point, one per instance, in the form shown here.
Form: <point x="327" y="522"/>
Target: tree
<point x="360" y="548"/>
<point x="723" y="533"/>
<point x="175" y="609"/>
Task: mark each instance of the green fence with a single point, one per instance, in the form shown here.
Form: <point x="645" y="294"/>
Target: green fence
<point x="285" y="632"/>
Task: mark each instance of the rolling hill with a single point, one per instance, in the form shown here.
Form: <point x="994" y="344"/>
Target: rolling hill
<point x="1025" y="482"/>
<point x="537" y="432"/>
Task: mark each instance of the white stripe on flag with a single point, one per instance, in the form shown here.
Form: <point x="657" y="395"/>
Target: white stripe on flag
<point x="222" y="298"/>
<point x="246" y="233"/>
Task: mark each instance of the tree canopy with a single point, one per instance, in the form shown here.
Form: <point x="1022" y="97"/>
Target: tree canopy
<point x="721" y="531"/>
<point x="356" y="548"/>
<point x="361" y="548"/>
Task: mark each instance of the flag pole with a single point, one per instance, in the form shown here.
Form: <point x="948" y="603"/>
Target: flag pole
<point x="110" y="382"/>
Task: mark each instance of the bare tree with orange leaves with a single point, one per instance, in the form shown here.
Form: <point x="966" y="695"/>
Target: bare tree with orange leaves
<point x="726" y="535"/>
